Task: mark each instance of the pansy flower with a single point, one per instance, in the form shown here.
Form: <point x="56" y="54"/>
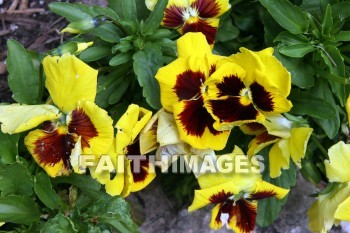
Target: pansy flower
<point x="245" y="89"/>
<point x="133" y="170"/>
<point x="235" y="198"/>
<point x="195" y="16"/>
<point x="333" y="206"/>
<point x="183" y="91"/>
<point x="129" y="127"/>
<point x="288" y="142"/>
<point x="73" y="124"/>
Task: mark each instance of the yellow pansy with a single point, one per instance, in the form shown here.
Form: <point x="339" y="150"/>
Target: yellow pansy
<point x="73" y="124"/>
<point x="246" y="87"/>
<point x="231" y="193"/>
<point x="139" y="170"/>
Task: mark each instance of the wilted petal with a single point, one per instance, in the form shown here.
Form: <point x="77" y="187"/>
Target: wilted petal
<point x="17" y="118"/>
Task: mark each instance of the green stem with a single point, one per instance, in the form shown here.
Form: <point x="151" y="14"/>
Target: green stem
<point x="319" y="146"/>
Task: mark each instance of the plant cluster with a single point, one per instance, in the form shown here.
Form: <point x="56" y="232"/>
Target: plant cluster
<point x="245" y="93"/>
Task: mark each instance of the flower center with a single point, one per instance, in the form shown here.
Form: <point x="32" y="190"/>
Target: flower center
<point x="246" y="97"/>
<point x="190" y="16"/>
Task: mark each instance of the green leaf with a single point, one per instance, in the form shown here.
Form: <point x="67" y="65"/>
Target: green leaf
<point x="302" y="73"/>
<point x="287" y="38"/>
<point x="327" y="23"/>
<point x="23" y="79"/>
<point x="269" y="209"/>
<point x="8" y="147"/>
<point x="297" y="50"/>
<point x="305" y="103"/>
<point x="340" y="13"/>
<point x="120" y="58"/>
<point x="59" y="224"/>
<point x="17" y="209"/>
<point x="146" y="64"/>
<point x="15" y="179"/>
<point x="332" y="57"/>
<point x="43" y="189"/>
<point x="129" y="10"/>
<point x="109" y="83"/>
<point x="95" y="53"/>
<point x="330" y="126"/>
<point x="227" y="31"/>
<point x="70" y="11"/>
<point x="95" y="11"/>
<point x="342" y="36"/>
<point x="287" y="15"/>
<point x="153" y="21"/>
<point x="85" y="183"/>
<point x="119" y="91"/>
<point x="107" y="32"/>
<point x="113" y="211"/>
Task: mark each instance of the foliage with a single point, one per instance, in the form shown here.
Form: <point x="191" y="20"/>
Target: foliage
<point x="310" y="38"/>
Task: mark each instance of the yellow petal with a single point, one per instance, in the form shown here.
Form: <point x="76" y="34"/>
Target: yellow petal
<point x="202" y="196"/>
<point x="82" y="46"/>
<point x="167" y="77"/>
<point x="94" y="126"/>
<point x="130" y="125"/>
<point x="144" y="176"/>
<point x="51" y="150"/>
<point x="127" y="178"/>
<point x="2" y="223"/>
<point x="195" y="126"/>
<point x="249" y="61"/>
<point x="260" y="142"/>
<point x="192" y="44"/>
<point x="270" y="189"/>
<point x="78" y="79"/>
<point x="337" y="167"/>
<point x="214" y="213"/>
<point x="279" y="157"/>
<point x="276" y="72"/>
<point x="17" y="118"/>
<point x="298" y="143"/>
<point x="342" y="212"/>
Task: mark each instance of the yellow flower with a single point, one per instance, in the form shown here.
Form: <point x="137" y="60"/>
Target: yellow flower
<point x="334" y="206"/>
<point x="183" y="90"/>
<point x="246" y="87"/>
<point x="235" y="198"/>
<point x="75" y="124"/>
<point x="129" y="127"/>
<point x="195" y="16"/>
<point x="288" y="142"/>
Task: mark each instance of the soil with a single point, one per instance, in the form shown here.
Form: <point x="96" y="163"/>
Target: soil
<point x="38" y="29"/>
